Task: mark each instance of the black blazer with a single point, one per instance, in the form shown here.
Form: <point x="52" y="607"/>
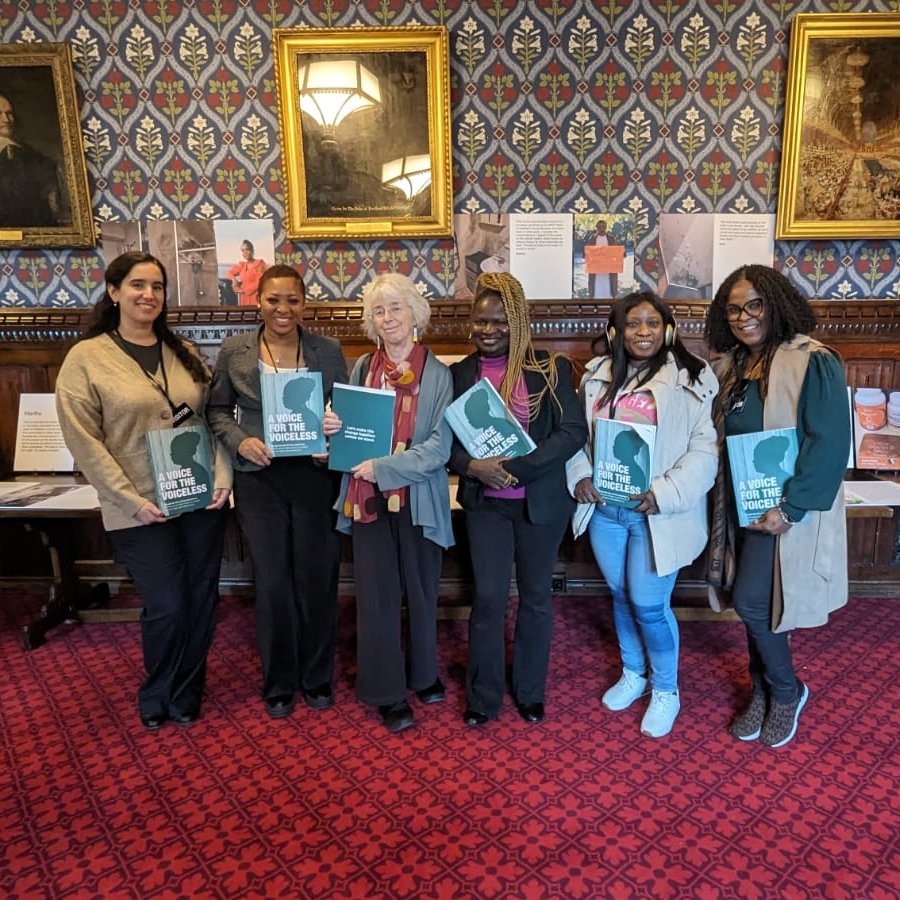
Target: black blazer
<point x="235" y="384"/>
<point x="558" y="433"/>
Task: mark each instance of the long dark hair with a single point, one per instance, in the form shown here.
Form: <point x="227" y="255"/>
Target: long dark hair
<point x="787" y="312"/>
<point x="615" y="332"/>
<point x="104" y="318"/>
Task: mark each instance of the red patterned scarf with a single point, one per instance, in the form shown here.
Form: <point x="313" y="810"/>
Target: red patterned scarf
<point x="405" y="378"/>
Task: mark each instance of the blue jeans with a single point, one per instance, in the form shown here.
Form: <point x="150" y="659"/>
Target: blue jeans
<point x="645" y="624"/>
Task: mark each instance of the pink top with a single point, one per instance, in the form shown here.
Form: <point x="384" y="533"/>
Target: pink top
<point x="494" y="368"/>
<point x="638" y="408"/>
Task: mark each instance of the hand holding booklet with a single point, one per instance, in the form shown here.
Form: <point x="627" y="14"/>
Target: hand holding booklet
<point x="760" y="462"/>
<point x="623" y="460"/>
<point x="292" y="407"/>
<point x="368" y="425"/>
<point x="182" y="464"/>
<point x="484" y="426"/>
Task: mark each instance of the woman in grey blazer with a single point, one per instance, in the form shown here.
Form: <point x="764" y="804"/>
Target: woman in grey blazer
<point x="283" y="504"/>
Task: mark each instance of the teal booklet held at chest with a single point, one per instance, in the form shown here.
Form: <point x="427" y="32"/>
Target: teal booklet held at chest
<point x="484" y="425"/>
<point x="367" y="432"/>
<point x="292" y="407"/>
<point x="182" y="465"/>
<point x="760" y="463"/>
<point x="623" y="460"/>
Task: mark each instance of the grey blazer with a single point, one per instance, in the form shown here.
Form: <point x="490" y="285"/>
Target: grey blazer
<point x="235" y="386"/>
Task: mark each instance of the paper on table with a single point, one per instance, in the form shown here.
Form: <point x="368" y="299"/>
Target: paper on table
<point x="47" y="495"/>
<point x="39" y="442"/>
<point x="871" y="493"/>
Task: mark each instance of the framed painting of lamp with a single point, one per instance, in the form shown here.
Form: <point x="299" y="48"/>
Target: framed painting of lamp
<point x="44" y="195"/>
<point x="840" y="168"/>
<point x="364" y="115"/>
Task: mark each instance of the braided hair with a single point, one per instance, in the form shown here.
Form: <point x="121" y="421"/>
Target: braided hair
<point x="104" y="318"/>
<point x="787" y="312"/>
<point x="615" y="337"/>
<point x="522" y="356"/>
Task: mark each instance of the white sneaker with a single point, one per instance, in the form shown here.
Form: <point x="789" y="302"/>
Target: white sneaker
<point x="625" y="691"/>
<point x="661" y="713"/>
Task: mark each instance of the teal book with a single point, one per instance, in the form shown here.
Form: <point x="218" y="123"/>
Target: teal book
<point x="293" y="404"/>
<point x="182" y="464"/>
<point x="484" y="426"/>
<point x="760" y="463"/>
<point x="623" y="460"/>
<point x="368" y="425"/>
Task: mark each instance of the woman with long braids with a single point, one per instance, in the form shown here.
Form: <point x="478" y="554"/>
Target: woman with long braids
<point x="788" y="569"/>
<point x="648" y="377"/>
<point x="516" y="509"/>
<point x="127" y="375"/>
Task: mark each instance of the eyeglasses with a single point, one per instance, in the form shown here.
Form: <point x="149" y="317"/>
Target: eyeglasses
<point x="753" y="308"/>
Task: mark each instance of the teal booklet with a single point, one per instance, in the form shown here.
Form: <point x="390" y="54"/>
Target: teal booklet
<point x="484" y="426"/>
<point x="368" y="425"/>
<point x="623" y="460"/>
<point x="182" y="464"/>
<point x="760" y="463"/>
<point x="292" y="408"/>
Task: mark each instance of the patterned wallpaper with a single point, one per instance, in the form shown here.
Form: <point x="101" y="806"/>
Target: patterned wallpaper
<point x="558" y="106"/>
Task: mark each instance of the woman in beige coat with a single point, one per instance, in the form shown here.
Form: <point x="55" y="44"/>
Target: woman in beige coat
<point x="130" y="374"/>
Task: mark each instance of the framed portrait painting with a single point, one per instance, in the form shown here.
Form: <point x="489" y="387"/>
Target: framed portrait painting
<point x="840" y="165"/>
<point x="365" y="131"/>
<point x="44" y="197"/>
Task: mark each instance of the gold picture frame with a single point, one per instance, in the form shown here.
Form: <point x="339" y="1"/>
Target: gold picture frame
<point x="44" y="196"/>
<point x="840" y="161"/>
<point x="364" y="115"/>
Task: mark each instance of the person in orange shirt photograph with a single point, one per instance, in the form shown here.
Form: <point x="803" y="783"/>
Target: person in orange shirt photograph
<point x="245" y="276"/>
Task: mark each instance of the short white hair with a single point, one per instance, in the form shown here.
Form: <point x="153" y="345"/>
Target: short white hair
<point x="382" y="289"/>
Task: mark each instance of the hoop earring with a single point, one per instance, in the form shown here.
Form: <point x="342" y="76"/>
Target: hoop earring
<point x="670" y="334"/>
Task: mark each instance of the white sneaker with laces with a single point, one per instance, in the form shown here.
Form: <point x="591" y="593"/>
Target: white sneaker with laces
<point x="625" y="691"/>
<point x="661" y="714"/>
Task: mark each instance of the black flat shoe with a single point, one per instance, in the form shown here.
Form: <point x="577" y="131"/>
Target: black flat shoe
<point x="320" y="697"/>
<point x="433" y="694"/>
<point x="396" y="716"/>
<point x="280" y="706"/>
<point x="153" y="723"/>
<point x="185" y="718"/>
<point x="531" y="712"/>
<point x="471" y="717"/>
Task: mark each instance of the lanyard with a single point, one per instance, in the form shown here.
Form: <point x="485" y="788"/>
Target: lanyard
<point x="272" y="355"/>
<point x="162" y="388"/>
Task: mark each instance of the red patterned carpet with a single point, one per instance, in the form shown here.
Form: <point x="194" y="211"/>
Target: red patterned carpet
<point x="326" y="804"/>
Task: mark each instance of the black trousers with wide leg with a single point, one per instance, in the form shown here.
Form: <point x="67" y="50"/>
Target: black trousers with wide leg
<point x="286" y="518"/>
<point x="175" y="567"/>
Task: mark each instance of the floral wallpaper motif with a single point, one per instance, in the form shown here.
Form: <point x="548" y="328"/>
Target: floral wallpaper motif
<point x="558" y="106"/>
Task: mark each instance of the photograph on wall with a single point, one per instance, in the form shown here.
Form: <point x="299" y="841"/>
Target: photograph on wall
<point x="245" y="248"/>
<point x="44" y="197"/>
<point x="116" y="238"/>
<point x="876" y="428"/>
<point x="196" y="273"/>
<point x="482" y="245"/>
<point x="699" y="250"/>
<point x="840" y="170"/>
<point x="603" y="256"/>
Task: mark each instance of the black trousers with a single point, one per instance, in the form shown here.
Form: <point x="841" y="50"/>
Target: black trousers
<point x="175" y="567"/>
<point x="393" y="560"/>
<point x="286" y="518"/>
<point x="771" y="666"/>
<point x="500" y="534"/>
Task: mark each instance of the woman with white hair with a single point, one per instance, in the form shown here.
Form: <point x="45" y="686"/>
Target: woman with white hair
<point x="397" y="507"/>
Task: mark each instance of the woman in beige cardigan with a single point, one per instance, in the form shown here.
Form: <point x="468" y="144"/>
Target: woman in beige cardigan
<point x="129" y="374"/>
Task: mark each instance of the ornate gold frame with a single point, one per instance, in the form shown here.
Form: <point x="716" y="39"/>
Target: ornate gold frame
<point x="303" y="220"/>
<point x="23" y="63"/>
<point x="854" y="32"/>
